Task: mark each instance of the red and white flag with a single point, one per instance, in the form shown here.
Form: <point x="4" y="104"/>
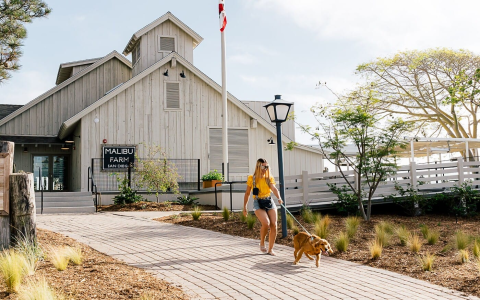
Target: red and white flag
<point x="222" y="15"/>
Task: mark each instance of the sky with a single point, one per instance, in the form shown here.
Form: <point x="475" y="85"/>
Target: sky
<point x="273" y="46"/>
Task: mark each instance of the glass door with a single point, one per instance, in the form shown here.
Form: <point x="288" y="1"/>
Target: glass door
<point x="50" y="172"/>
<point x="41" y="168"/>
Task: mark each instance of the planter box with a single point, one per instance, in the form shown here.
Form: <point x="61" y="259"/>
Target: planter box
<point x="210" y="183"/>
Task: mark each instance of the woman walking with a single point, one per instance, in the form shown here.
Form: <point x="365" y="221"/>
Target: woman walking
<point x="263" y="184"/>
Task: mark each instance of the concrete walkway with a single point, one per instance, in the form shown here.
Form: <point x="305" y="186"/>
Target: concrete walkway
<point x="211" y="265"/>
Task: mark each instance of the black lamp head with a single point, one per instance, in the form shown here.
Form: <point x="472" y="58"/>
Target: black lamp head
<point x="183" y="74"/>
<point x="165" y="73"/>
<point x="270" y="141"/>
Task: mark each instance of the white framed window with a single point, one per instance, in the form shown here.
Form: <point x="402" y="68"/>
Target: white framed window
<point x="136" y="53"/>
<point x="167" y="43"/>
<point x="172" y="95"/>
<point x="238" y="151"/>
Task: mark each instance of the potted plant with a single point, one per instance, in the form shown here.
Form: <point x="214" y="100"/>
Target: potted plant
<point x="211" y="178"/>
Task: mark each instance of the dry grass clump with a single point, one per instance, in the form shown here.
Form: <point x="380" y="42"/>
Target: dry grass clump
<point x="383" y="234"/>
<point x="74" y="255"/>
<point x="432" y="237"/>
<point x="376" y="249"/>
<point x="386" y="226"/>
<point x="38" y="290"/>
<point x="31" y="251"/>
<point x="463" y="256"/>
<point x="476" y="249"/>
<point x="414" y="243"/>
<point x="295" y="230"/>
<point x="290" y="222"/>
<point x="403" y="234"/>
<point x="13" y="267"/>
<point x="59" y="258"/>
<point x="342" y="241"/>
<point x="461" y="240"/>
<point x="321" y="227"/>
<point x="196" y="213"/>
<point x="426" y="261"/>
<point x="243" y="218"/>
<point x="424" y="230"/>
<point x="351" y="224"/>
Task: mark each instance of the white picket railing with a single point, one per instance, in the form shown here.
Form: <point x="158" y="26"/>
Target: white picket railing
<point x="435" y="177"/>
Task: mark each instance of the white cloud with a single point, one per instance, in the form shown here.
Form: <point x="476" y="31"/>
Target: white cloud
<point x="27" y="86"/>
<point x="383" y="26"/>
<point x="244" y="59"/>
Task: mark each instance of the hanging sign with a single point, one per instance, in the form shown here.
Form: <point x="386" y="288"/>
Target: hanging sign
<point x="118" y="157"/>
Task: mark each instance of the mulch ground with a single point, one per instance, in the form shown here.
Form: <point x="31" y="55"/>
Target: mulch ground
<point x="152" y="206"/>
<point x="447" y="270"/>
<point x="98" y="277"/>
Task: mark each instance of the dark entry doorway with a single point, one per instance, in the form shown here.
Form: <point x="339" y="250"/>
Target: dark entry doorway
<point x="53" y="176"/>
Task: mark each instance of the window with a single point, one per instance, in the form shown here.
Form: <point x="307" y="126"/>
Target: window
<point x="136" y="53"/>
<point x="166" y="44"/>
<point x="237" y="150"/>
<point x="172" y="95"/>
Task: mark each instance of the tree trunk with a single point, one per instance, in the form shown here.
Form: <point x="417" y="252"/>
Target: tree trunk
<point x="22" y="208"/>
<point x="5" y="148"/>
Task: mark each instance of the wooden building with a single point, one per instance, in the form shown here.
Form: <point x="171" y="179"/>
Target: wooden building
<point x="159" y="98"/>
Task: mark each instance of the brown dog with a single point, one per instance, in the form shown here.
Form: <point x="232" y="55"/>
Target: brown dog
<point x="309" y="245"/>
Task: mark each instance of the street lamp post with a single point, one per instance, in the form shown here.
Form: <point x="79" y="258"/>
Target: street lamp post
<point x="278" y="111"/>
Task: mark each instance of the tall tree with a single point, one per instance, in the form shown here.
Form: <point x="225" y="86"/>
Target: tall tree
<point x="437" y="88"/>
<point x="13" y="16"/>
<point x="376" y="139"/>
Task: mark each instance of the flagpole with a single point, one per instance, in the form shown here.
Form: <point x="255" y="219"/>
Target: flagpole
<point x="224" y="111"/>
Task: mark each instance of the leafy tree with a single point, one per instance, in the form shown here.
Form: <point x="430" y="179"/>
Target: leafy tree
<point x="376" y="140"/>
<point x="13" y="16"/>
<point x="437" y="88"/>
<point x="156" y="173"/>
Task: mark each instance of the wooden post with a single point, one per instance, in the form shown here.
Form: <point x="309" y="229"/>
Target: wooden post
<point x="22" y="207"/>
<point x="305" y="187"/>
<point x="6" y="153"/>
<point x="461" y="175"/>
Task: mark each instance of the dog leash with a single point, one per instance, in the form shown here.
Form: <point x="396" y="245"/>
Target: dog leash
<point x="296" y="220"/>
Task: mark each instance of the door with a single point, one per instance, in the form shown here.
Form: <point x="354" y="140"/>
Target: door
<point x="50" y="172"/>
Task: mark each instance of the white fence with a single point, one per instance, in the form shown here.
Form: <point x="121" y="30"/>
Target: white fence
<point x="430" y="178"/>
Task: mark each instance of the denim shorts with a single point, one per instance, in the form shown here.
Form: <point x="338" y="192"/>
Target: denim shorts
<point x="256" y="206"/>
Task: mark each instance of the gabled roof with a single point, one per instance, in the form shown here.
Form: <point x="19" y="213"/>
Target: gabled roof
<point x="197" y="39"/>
<point x="69" y="125"/>
<point x="65" y="69"/>
<point x="67" y="82"/>
<point x="6" y="109"/>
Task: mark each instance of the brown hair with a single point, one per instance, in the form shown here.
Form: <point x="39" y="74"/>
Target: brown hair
<point x="258" y="171"/>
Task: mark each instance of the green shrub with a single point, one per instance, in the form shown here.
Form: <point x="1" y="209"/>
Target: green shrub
<point x="342" y="241"/>
<point x="196" y="213"/>
<point x="295" y="230"/>
<point x="409" y="199"/>
<point x="225" y="214"/>
<point x="212" y="175"/>
<point x="127" y="194"/>
<point x="403" y="234"/>
<point x="347" y="203"/>
<point x="424" y="230"/>
<point x="251" y="220"/>
<point x="243" y="218"/>
<point x="351" y="224"/>
<point x="187" y="200"/>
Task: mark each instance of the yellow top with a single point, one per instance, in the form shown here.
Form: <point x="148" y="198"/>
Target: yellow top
<point x="261" y="183"/>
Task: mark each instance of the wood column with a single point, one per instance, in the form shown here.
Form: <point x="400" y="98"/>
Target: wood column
<point x="6" y="153"/>
<point x="22" y="207"/>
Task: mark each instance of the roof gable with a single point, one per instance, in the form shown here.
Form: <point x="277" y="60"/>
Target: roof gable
<point x="6" y="109"/>
<point x="68" y="126"/>
<point x="113" y="54"/>
<point x="168" y="16"/>
<point x="65" y="69"/>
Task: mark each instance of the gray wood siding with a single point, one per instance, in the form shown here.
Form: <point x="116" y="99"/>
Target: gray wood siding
<point x="46" y="117"/>
<point x="138" y="115"/>
<point x="149" y="51"/>
<point x="288" y="127"/>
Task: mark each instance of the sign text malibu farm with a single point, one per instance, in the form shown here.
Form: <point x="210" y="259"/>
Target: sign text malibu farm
<point x="118" y="157"/>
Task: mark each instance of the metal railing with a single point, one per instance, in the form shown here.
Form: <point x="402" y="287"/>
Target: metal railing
<point x="93" y="187"/>
<point x="41" y="189"/>
<point x="106" y="180"/>
<point x="230" y="183"/>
